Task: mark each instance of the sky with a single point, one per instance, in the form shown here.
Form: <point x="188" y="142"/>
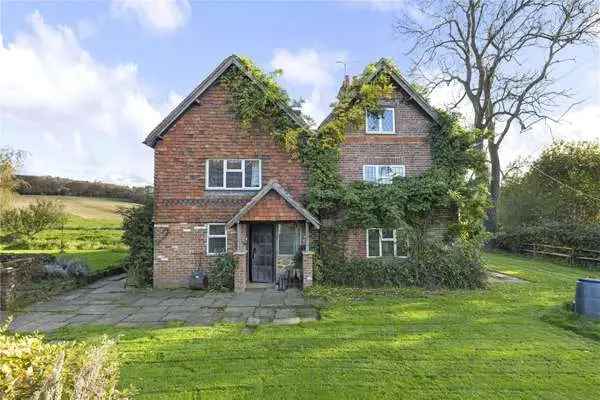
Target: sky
<point x="82" y="83"/>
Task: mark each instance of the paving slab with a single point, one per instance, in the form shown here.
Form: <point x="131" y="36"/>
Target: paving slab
<point x="174" y="301"/>
<point x="272" y="298"/>
<point x="97" y="309"/>
<point x="148" y="301"/>
<point x="82" y="319"/>
<point x="176" y="316"/>
<point x="182" y="308"/>
<point x="205" y="301"/>
<point x="145" y="317"/>
<point x="109" y="302"/>
<point x="264" y="312"/>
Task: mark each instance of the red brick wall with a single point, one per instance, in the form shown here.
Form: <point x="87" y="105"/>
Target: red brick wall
<point x="409" y="146"/>
<point x="208" y="130"/>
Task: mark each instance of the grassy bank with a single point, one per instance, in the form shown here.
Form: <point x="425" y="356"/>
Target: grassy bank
<point x="486" y="344"/>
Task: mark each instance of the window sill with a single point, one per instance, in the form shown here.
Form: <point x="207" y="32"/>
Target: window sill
<point x="380" y="133"/>
<point x="232" y="189"/>
<point x="387" y="257"/>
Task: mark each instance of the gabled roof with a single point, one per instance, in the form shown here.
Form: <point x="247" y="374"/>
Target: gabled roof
<point x="273" y="185"/>
<point x="383" y="66"/>
<point x="160" y="130"/>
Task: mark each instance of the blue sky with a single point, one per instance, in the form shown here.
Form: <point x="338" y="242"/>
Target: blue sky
<point x="81" y="83"/>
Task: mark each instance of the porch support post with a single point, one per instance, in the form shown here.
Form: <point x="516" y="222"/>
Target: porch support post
<point x="239" y="237"/>
<point x="240" y="274"/>
<point x="307" y="235"/>
<point x="307" y="269"/>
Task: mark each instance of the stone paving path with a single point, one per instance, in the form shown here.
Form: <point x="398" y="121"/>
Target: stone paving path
<point x="503" y="278"/>
<point x="108" y="302"/>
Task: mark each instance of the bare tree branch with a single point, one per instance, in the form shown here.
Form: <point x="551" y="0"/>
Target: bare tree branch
<point x="504" y="54"/>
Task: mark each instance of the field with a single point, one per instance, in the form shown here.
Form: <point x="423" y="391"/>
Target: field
<point x="510" y="341"/>
<point x="93" y="231"/>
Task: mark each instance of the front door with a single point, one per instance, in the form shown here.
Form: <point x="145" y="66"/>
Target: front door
<point x="262" y="255"/>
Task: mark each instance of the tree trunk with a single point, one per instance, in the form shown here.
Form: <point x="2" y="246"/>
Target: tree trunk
<point x="492" y="219"/>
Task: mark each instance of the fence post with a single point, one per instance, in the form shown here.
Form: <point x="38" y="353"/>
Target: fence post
<point x="534" y="250"/>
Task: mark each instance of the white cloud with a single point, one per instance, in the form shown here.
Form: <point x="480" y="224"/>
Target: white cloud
<point x="313" y="74"/>
<point x="157" y="15"/>
<point x="75" y="117"/>
<point x="580" y="124"/>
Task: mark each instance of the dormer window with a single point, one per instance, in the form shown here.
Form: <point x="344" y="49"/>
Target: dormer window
<point x="381" y="122"/>
<point x="233" y="174"/>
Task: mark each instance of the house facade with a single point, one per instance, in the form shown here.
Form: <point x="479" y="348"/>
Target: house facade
<point x="221" y="188"/>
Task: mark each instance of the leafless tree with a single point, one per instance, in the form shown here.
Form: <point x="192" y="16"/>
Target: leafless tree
<point x="504" y="55"/>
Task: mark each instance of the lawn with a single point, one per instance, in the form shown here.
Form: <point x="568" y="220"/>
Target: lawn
<point x="97" y="260"/>
<point x="507" y="342"/>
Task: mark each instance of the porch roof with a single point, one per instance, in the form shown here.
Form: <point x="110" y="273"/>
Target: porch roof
<point x="277" y="188"/>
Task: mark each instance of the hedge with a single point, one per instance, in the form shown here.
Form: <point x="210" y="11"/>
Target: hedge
<point x="456" y="266"/>
<point x="558" y="234"/>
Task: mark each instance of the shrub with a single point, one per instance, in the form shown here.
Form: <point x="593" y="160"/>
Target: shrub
<point x="221" y="272"/>
<point x="559" y="234"/>
<point x="34" y="369"/>
<point x="455" y="266"/>
<point x="74" y="267"/>
<point x="31" y="220"/>
<point x="138" y="234"/>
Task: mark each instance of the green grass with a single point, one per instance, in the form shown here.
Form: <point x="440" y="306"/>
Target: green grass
<point x="97" y="260"/>
<point x="93" y="224"/>
<point x="93" y="208"/>
<point x="497" y="343"/>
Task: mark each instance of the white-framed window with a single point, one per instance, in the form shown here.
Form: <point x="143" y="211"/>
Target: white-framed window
<point x="382" y="122"/>
<point x="289" y="239"/>
<point x="382" y="173"/>
<point x="384" y="242"/>
<point x="233" y="174"/>
<point x="216" y="242"/>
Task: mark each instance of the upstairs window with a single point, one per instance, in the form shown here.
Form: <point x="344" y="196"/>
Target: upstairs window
<point x="217" y="239"/>
<point x="233" y="174"/>
<point x="382" y="173"/>
<point x="382" y="122"/>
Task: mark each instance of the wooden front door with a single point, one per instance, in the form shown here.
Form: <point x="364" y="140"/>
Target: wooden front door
<point x="262" y="254"/>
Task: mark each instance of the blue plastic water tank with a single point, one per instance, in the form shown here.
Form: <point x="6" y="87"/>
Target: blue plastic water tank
<point x="587" y="298"/>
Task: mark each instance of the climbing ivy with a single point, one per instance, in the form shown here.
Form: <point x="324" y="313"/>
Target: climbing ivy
<point x="456" y="179"/>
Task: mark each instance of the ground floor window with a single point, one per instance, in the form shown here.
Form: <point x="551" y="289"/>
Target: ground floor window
<point x="386" y="242"/>
<point x="289" y="238"/>
<point x="217" y="239"/>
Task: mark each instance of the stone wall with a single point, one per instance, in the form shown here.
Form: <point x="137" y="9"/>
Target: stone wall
<point x="14" y="274"/>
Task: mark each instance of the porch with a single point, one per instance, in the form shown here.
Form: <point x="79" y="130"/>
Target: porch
<point x="273" y="241"/>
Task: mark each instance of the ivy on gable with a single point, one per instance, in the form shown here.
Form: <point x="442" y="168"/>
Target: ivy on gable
<point x="456" y="179"/>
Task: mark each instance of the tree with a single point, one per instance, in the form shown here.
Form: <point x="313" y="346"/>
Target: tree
<point x="504" y="56"/>
<point x="31" y="220"/>
<point x="10" y="160"/>
<point x="138" y="235"/>
<point x="562" y="185"/>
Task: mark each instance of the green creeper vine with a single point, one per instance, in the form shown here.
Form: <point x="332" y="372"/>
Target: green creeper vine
<point x="456" y="180"/>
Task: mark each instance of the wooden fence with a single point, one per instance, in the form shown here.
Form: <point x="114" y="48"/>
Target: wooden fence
<point x="571" y="254"/>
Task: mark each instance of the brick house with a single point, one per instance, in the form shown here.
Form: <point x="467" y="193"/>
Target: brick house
<point x="219" y="188"/>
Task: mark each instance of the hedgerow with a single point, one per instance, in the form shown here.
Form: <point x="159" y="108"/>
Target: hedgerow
<point x="553" y="233"/>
